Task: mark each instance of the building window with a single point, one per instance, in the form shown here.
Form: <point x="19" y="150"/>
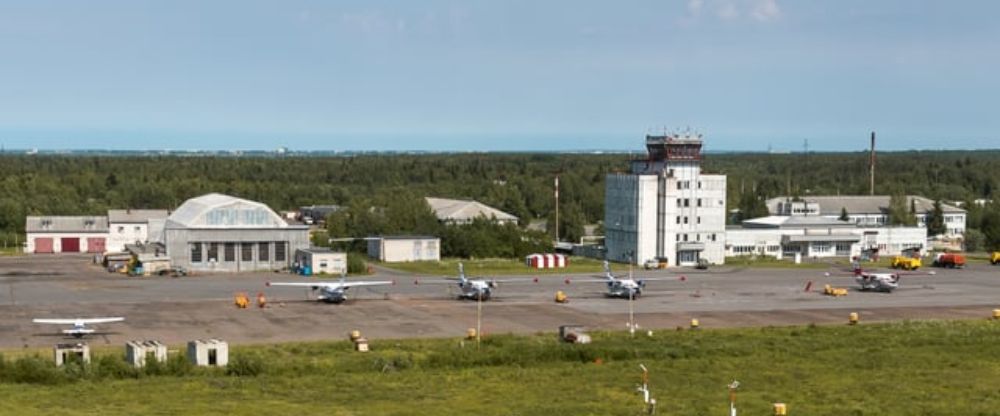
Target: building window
<point x="264" y="252"/>
<point x="213" y="252"/>
<point x="195" y="252"/>
<point x="230" y="252"/>
<point x="699" y="184"/>
<point x="279" y="251"/>
<point x="246" y="252"/>
<point x="685" y="220"/>
<point x="678" y="202"/>
<point x="138" y="229"/>
<point x="678" y="237"/>
<point x="685" y="237"/>
<point x="687" y="202"/>
<point x="697" y="237"/>
<point x="713" y="238"/>
<point x="121" y="229"/>
<point x="678" y="219"/>
<point x="699" y="202"/>
<point x="699" y="220"/>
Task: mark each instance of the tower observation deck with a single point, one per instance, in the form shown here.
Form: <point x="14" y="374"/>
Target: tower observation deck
<point x="669" y="150"/>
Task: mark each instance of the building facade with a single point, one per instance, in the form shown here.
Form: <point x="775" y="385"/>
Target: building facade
<point x="867" y="211"/>
<point x="220" y="233"/>
<point x="65" y="234"/>
<point x="132" y="226"/>
<point x="401" y="249"/>
<point x="665" y="208"/>
<point x="788" y="237"/>
<point x="320" y="261"/>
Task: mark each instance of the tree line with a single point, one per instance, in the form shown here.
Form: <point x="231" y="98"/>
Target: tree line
<point x="518" y="183"/>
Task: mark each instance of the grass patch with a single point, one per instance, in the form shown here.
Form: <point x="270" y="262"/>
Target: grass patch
<point x="500" y="267"/>
<point x="909" y="368"/>
<point x="10" y="251"/>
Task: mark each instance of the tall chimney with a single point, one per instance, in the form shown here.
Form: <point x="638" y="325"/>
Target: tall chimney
<point x="871" y="166"/>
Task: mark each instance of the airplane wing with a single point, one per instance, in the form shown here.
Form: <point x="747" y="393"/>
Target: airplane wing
<point x="331" y="285"/>
<point x="75" y="321"/>
<point x="568" y="281"/>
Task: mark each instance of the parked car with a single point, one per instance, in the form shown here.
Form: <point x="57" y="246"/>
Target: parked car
<point x="702" y="264"/>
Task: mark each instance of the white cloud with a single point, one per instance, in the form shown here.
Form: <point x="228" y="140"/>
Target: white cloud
<point x="694" y="7"/>
<point x="765" y="10"/>
<point x="727" y="11"/>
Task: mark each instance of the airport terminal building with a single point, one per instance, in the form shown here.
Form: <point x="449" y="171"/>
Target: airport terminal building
<point x="221" y="233"/>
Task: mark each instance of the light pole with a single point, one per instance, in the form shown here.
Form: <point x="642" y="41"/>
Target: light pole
<point x="631" y="299"/>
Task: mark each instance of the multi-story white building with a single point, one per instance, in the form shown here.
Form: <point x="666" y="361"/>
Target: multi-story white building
<point x="867" y="211"/>
<point x="665" y="208"/>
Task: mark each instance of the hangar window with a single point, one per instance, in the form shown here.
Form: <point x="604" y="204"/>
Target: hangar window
<point x="230" y="252"/>
<point x="264" y="252"/>
<point x="213" y="252"/>
<point x="246" y="252"/>
<point x="121" y="229"/>
<point x="195" y="252"/>
<point x="279" y="251"/>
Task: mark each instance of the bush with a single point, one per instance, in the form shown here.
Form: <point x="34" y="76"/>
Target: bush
<point x="356" y="264"/>
<point x="245" y="365"/>
<point x="113" y="366"/>
<point x="34" y="370"/>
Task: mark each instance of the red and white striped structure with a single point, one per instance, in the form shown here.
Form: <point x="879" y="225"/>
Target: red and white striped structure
<point x="547" y="261"/>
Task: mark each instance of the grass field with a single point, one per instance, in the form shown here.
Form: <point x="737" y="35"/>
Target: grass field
<point x="500" y="267"/>
<point x="910" y="368"/>
<point x="10" y="251"/>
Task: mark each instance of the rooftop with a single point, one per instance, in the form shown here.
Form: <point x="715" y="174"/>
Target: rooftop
<point x="458" y="210"/>
<point x="66" y="224"/>
<point x="136" y="216"/>
<point x="831" y="205"/>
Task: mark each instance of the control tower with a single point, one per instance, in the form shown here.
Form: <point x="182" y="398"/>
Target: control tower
<point x="665" y="208"/>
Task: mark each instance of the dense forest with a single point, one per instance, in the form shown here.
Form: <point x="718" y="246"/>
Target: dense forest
<point x="521" y="184"/>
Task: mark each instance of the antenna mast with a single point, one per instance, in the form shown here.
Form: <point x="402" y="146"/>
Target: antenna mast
<point x="871" y="167"/>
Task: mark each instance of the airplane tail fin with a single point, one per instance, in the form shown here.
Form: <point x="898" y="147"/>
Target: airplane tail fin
<point x="607" y="271"/>
<point x="461" y="272"/>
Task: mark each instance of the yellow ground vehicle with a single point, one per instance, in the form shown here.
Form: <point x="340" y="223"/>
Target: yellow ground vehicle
<point x="995" y="258"/>
<point x="906" y="263"/>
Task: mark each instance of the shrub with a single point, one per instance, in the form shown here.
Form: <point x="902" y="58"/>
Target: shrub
<point x="35" y="370"/>
<point x="245" y="365"/>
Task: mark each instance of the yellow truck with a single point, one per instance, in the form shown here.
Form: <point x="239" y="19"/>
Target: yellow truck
<point x="995" y="258"/>
<point x="906" y="263"/>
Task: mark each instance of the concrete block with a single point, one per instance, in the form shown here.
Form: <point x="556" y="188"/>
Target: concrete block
<point x="138" y="353"/>
<point x="208" y="353"/>
<point x="65" y="353"/>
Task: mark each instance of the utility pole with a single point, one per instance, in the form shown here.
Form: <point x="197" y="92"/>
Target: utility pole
<point x="871" y="166"/>
<point x="557" y="208"/>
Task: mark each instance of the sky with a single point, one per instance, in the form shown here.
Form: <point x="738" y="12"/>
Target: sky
<point x="498" y="75"/>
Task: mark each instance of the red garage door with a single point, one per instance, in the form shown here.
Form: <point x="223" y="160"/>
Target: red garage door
<point x="70" y="245"/>
<point x="95" y="245"/>
<point x="43" y="245"/>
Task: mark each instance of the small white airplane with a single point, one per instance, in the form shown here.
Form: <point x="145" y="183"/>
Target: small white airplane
<point x="332" y="292"/>
<point x="473" y="289"/>
<point x="79" y="329"/>
<point x="625" y="288"/>
<point x="878" y="281"/>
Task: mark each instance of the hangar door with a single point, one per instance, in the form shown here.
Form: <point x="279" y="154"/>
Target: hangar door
<point x="70" y="245"/>
<point x="95" y="245"/>
<point x="43" y="245"/>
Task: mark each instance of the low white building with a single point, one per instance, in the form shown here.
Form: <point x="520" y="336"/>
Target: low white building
<point x="66" y="234"/>
<point x="401" y="249"/>
<point x="310" y="261"/>
<point x="134" y="226"/>
<point x="818" y="237"/>
<point x="869" y="211"/>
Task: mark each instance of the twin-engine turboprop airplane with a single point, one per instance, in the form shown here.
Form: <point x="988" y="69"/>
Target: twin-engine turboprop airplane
<point x="475" y="289"/>
<point x="332" y="292"/>
<point x="621" y="287"/>
<point x="79" y="329"/>
<point x="878" y="281"/>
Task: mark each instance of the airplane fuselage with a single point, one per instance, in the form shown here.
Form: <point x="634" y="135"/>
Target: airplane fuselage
<point x="335" y="296"/>
<point x="624" y="288"/>
<point x="475" y="289"/>
<point x="877" y="282"/>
